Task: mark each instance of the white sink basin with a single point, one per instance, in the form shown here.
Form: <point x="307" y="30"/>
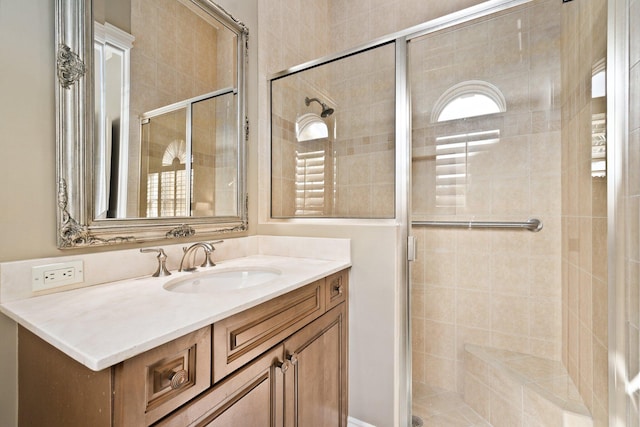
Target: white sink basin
<point x="223" y="280"/>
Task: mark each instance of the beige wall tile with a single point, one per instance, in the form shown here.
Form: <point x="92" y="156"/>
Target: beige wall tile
<point x="585" y="306"/>
<point x="440" y="268"/>
<point x="418" y="366"/>
<point x="545" y="319"/>
<point x="510" y="274"/>
<point x="473" y="309"/>
<point x="440" y="304"/>
<point x="441" y="340"/>
<point x="600" y="373"/>
<point x="440" y="372"/>
<point x="600" y="322"/>
<point x="510" y="314"/>
<point x="474" y="271"/>
<point x="517" y="343"/>
<point x="545" y="274"/>
<point x="417" y="334"/>
<point x="585" y="362"/>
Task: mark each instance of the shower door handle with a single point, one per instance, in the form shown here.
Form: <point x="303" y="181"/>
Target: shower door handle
<point x="411" y="248"/>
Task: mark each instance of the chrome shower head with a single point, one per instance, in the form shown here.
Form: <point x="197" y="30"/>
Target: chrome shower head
<point x="326" y="111"/>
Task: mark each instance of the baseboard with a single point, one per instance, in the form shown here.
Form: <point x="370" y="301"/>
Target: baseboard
<point x="353" y="422"/>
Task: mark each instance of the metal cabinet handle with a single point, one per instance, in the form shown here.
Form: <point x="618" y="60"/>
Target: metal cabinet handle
<point x="284" y="366"/>
<point x="178" y="379"/>
<point x="293" y="359"/>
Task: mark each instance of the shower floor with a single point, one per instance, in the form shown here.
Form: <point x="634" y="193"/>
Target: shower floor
<point x="442" y="408"/>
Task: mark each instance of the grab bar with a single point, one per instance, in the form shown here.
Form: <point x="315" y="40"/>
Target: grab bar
<point x="532" y="224"/>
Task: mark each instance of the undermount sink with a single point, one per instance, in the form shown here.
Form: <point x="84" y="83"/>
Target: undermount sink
<point x="222" y="280"/>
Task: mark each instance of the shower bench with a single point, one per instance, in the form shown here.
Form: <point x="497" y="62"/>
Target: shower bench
<point x="509" y="388"/>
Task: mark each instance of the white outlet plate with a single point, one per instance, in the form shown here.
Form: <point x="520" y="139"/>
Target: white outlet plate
<point x="44" y="277"/>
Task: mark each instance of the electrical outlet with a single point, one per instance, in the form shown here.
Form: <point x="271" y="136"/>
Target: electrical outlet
<point x="54" y="275"/>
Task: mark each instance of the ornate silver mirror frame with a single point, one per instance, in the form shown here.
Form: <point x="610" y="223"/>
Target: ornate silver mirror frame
<point x="76" y="225"/>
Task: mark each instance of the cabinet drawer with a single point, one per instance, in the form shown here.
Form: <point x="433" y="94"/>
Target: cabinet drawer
<point x="337" y="286"/>
<point x="252" y="396"/>
<point x="243" y="336"/>
<point x="149" y="386"/>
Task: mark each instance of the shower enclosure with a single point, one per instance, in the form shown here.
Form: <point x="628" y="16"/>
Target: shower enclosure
<point x="498" y="120"/>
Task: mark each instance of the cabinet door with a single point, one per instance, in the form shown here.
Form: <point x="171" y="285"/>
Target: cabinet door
<point x="316" y="379"/>
<point x="250" y="397"/>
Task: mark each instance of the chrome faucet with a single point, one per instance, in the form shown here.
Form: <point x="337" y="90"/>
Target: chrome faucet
<point x="191" y="251"/>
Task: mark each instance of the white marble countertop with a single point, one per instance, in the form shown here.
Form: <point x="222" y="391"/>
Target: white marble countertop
<point x="100" y="326"/>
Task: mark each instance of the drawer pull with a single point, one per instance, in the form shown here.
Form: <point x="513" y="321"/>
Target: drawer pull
<point x="284" y="366"/>
<point x="336" y="285"/>
<point x="178" y="379"/>
<point x="293" y="359"/>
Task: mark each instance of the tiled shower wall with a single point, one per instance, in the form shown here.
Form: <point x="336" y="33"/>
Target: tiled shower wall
<point x="489" y="287"/>
<point x="584" y="204"/>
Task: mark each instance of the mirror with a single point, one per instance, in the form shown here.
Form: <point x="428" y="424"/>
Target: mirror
<point x="151" y="121"/>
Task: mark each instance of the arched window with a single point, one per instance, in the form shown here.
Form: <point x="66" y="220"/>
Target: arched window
<point x="468" y="99"/>
<point x="166" y="187"/>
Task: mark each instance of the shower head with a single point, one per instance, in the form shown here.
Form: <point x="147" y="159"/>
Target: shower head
<point x="326" y="111"/>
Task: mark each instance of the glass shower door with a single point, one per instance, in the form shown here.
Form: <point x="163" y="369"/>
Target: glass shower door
<point x="485" y="100"/>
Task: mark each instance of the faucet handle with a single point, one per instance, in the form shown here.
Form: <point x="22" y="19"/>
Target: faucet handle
<point x="208" y="261"/>
<point x="162" y="260"/>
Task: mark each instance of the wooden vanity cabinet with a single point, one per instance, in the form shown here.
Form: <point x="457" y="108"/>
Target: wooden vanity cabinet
<point x="282" y="363"/>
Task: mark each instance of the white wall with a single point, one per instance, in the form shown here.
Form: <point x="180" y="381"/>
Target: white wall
<point x="373" y="299"/>
<point x="27" y="121"/>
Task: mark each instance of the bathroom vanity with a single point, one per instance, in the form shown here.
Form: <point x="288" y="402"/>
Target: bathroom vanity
<point x="271" y="355"/>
